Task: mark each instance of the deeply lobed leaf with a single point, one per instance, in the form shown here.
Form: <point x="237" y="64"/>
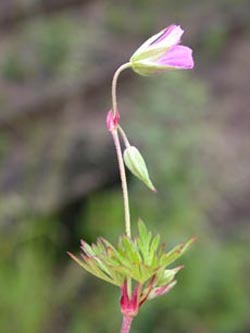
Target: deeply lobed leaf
<point x="141" y="259"/>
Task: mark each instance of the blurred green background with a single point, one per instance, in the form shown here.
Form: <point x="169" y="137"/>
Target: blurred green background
<point x="58" y="175"/>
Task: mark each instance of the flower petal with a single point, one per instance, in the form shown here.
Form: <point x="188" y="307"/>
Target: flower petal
<point x="148" y="42"/>
<point x="171" y="36"/>
<point x="166" y="38"/>
<point x="178" y="56"/>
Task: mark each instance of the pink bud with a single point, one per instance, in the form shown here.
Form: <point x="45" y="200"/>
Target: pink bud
<point x="129" y="306"/>
<point x="161" y="290"/>
<point x="112" y="120"/>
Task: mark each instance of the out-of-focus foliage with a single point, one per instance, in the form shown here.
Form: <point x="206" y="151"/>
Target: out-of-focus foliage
<point x="26" y="277"/>
<point x="52" y="47"/>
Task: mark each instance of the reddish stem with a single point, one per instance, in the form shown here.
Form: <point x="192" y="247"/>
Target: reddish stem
<point x="126" y="324"/>
<point x="150" y="287"/>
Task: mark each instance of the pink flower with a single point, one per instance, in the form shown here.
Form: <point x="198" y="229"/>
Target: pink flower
<point x="162" y="52"/>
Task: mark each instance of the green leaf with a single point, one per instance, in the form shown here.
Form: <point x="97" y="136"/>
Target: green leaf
<point x="176" y="253"/>
<point x="153" y="249"/>
<point x="87" y="249"/>
<point x="143" y="233"/>
<point x="130" y="249"/>
<point x="142" y="259"/>
<point x="143" y="240"/>
<point x="89" y="267"/>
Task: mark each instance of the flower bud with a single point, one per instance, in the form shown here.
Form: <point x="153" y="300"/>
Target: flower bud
<point x="129" y="306"/>
<point x="112" y="120"/>
<point x="136" y="164"/>
<point x="159" y="291"/>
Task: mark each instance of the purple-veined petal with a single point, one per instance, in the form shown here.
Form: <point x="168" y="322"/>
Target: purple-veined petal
<point x="178" y="56"/>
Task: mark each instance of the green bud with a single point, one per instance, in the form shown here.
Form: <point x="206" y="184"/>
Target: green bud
<point x="136" y="164"/>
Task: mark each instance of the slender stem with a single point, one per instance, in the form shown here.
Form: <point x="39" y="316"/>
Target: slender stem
<point x="122" y="173"/>
<point x="124" y="136"/>
<point x="119" y="151"/>
<point x="123" y="182"/>
<point x="114" y="85"/>
<point x="150" y="287"/>
<point x="126" y="324"/>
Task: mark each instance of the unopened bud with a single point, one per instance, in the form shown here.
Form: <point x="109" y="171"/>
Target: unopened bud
<point x="129" y="305"/>
<point x="136" y="164"/>
<point x="159" y="291"/>
<point x="112" y="120"/>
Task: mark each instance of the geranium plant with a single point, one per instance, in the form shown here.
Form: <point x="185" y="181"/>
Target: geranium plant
<point x="138" y="265"/>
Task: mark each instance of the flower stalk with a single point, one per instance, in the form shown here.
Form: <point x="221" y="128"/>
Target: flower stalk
<point x="114" y="86"/>
<point x="126" y="324"/>
<point x="119" y="150"/>
<point x="124" y="136"/>
<point x="123" y="181"/>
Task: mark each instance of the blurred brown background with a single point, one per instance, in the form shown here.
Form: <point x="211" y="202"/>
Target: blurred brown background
<point x="58" y="174"/>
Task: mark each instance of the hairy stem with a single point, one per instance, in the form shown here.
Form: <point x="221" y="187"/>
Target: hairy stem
<point x="126" y="324"/>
